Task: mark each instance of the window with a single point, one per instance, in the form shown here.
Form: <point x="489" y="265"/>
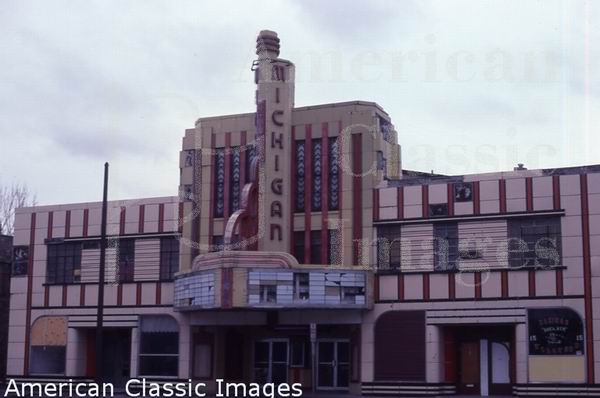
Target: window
<point x="334" y="174"/>
<point x="438" y="210"/>
<point x="300" y="180"/>
<point x="48" y="346"/>
<point x="219" y="199"/>
<point x="301" y="289"/>
<point x="351" y="293"/>
<point x="20" y="260"/>
<point x="91" y="245"/>
<point x="64" y="262"/>
<point x="315" y="247"/>
<point x="234" y="179"/>
<point x="317" y="157"/>
<point x="169" y="257"/>
<point x="268" y="293"/>
<point x="445" y="246"/>
<point x="126" y="250"/>
<point x="189" y="158"/>
<point x="159" y="346"/>
<point x="389" y="248"/>
<point x="463" y="192"/>
<point x="299" y="246"/>
<point x="534" y="242"/>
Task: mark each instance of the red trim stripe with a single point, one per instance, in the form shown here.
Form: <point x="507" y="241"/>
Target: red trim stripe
<point x="227" y="171"/>
<point x="161" y="217"/>
<point x="502" y="195"/>
<point x="450" y="194"/>
<point x="556" y="192"/>
<point x="122" y="221"/>
<point x="307" y="190"/>
<point x="531" y="283"/>
<point x="556" y="205"/>
<point x="478" y="292"/>
<point x="64" y="295"/>
<point x="400" y="287"/>
<point x="142" y="215"/>
<point x="50" y="224"/>
<point x="68" y="224"/>
<point x="357" y="196"/>
<point x="82" y="295"/>
<point x="86" y="221"/>
<point x="138" y="293"/>
<point x="49" y="236"/>
<point x="375" y="204"/>
<point x="476" y="198"/>
<point x="158" y="297"/>
<point x="29" y="293"/>
<point x="587" y="278"/>
<point x="504" y="283"/>
<point x="324" y="192"/>
<point x="425" y="200"/>
<point x="426" y="287"/>
<point x="400" y="202"/>
<point x="120" y="294"/>
<point x="451" y="285"/>
<point x="529" y="193"/>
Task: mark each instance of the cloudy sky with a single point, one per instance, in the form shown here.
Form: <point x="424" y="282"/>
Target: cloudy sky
<point x="471" y="86"/>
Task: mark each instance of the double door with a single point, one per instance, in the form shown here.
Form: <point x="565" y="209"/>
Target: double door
<point x="271" y="361"/>
<point x="333" y="364"/>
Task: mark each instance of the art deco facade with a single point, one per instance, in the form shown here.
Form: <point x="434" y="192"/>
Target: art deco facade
<point x="299" y="250"/>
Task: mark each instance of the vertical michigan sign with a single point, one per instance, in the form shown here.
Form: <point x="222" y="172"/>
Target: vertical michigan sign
<point x="274" y="103"/>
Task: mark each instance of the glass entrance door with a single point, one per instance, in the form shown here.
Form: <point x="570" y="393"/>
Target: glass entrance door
<point x="333" y="364"/>
<point x="271" y="361"/>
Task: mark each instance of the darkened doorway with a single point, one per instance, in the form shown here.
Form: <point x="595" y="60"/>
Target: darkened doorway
<point x="116" y="358"/>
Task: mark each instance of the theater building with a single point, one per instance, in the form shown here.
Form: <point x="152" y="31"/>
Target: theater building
<point x="299" y="251"/>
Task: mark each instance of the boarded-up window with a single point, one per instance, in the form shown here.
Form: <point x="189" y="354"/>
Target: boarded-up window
<point x="48" y="346"/>
<point x="400" y="346"/>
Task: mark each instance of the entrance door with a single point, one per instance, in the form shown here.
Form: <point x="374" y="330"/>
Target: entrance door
<point x="116" y="355"/>
<point x="271" y="361"/>
<point x="333" y="364"/>
<point x="500" y="367"/>
<point x="469" y="367"/>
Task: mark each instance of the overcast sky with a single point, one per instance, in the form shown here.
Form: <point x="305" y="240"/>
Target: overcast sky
<point x="471" y="86"/>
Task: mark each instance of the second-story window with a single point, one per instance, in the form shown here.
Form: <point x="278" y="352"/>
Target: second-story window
<point x="235" y="179"/>
<point x="389" y="247"/>
<point x="126" y="252"/>
<point x="219" y="205"/>
<point x="534" y="242"/>
<point x="334" y="174"/>
<point x="169" y="257"/>
<point x="317" y="174"/>
<point x="64" y="262"/>
<point x="445" y="246"/>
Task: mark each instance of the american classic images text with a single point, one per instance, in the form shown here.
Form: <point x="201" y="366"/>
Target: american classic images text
<point x="142" y="388"/>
